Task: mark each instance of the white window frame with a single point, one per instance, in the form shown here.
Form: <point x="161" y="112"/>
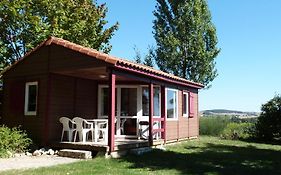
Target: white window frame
<point x="176" y="105"/>
<point x="155" y="86"/>
<point x="26" y="112"/>
<point x="187" y="104"/>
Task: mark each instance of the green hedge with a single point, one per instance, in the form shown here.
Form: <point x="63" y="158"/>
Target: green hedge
<point x="12" y="140"/>
<point x="213" y="125"/>
<point x="237" y="131"/>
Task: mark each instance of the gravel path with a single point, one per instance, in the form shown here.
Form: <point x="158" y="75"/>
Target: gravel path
<point x="25" y="162"/>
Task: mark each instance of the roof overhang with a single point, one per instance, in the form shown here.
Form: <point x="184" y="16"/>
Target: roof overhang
<point x="115" y="62"/>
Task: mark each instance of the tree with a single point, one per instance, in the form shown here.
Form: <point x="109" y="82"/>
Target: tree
<point x="186" y="39"/>
<point x="268" y="126"/>
<point x="137" y="57"/>
<point x="26" y="23"/>
<point x="148" y="58"/>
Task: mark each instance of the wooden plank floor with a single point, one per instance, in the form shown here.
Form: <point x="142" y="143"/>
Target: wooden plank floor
<point x="120" y="144"/>
<point x="89" y="146"/>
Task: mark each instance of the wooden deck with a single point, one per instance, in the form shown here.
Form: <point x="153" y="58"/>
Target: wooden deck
<point x="120" y="145"/>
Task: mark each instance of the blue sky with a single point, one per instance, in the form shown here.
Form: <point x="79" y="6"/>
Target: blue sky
<point x="249" y="34"/>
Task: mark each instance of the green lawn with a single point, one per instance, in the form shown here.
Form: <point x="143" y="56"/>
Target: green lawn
<point x="208" y="155"/>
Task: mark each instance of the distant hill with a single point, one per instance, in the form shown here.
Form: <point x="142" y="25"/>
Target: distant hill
<point x="228" y="112"/>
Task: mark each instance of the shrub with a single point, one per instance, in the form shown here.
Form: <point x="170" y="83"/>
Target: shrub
<point x="12" y="141"/>
<point x="235" y="131"/>
<point x="214" y="125"/>
<point x="268" y="126"/>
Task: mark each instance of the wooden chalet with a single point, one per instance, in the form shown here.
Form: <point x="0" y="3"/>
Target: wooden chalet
<point x="60" y="78"/>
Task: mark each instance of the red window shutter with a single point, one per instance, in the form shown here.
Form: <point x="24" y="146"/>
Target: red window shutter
<point x="16" y="98"/>
<point x="191" y="104"/>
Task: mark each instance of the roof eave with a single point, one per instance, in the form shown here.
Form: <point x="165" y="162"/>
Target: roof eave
<point x="160" y="77"/>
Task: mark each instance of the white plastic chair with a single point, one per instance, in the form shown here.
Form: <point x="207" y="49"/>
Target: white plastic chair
<point x="103" y="130"/>
<point x="143" y="129"/>
<point x="83" y="128"/>
<point x="122" y="126"/>
<point x="67" y="126"/>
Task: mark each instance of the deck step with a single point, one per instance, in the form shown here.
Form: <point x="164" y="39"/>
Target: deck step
<point x="140" y="151"/>
<point x="78" y="154"/>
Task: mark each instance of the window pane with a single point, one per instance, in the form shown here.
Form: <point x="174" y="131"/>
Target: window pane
<point x="156" y="101"/>
<point x="128" y="101"/>
<point x="104" y="93"/>
<point x="171" y="104"/>
<point x="145" y="102"/>
<point x="104" y="102"/>
<point x="184" y="103"/>
<point x="32" y="93"/>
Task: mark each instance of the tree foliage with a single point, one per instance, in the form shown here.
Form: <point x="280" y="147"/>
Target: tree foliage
<point x="137" y="57"/>
<point x="186" y="39"/>
<point x="268" y="126"/>
<point x="26" y="23"/>
<point x="148" y="59"/>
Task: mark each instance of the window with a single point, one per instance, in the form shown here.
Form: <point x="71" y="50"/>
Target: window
<point x="172" y="104"/>
<point x="185" y="104"/>
<point x="30" y="107"/>
<point x="156" y="101"/>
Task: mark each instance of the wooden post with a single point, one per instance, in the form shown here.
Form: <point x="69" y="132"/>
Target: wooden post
<point x="150" y="114"/>
<point x="47" y="113"/>
<point x="163" y="112"/>
<point x="111" y="108"/>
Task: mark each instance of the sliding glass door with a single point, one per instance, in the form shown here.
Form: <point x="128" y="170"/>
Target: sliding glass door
<point x="128" y="111"/>
<point x="131" y="106"/>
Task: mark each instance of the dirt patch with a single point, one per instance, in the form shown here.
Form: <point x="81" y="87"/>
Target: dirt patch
<point x="26" y="162"/>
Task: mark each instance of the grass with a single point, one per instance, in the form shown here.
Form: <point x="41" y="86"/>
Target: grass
<point x="208" y="155"/>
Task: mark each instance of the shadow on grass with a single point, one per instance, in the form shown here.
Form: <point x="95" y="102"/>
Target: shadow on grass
<point x="255" y="140"/>
<point x="212" y="159"/>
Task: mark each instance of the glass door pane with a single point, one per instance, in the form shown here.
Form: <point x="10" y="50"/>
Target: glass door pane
<point x="128" y="101"/>
<point x="104" y="101"/>
<point x="156" y="101"/>
<point x="128" y="110"/>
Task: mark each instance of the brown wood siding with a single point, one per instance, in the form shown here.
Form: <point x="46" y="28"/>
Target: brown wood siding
<point x="183" y="121"/>
<point x="171" y="130"/>
<point x="194" y="122"/>
<point x="35" y="64"/>
<point x="33" y="68"/>
<point x="184" y="127"/>
<point x="61" y="103"/>
<point x="63" y="59"/>
<point x="13" y="105"/>
<point x="13" y="101"/>
<point x="70" y="97"/>
<point x="173" y="125"/>
<point x="86" y="98"/>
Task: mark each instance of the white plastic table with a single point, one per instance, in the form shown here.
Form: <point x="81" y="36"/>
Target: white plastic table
<point x="96" y="121"/>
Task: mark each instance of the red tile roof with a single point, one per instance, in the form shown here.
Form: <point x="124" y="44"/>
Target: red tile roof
<point x="105" y="57"/>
